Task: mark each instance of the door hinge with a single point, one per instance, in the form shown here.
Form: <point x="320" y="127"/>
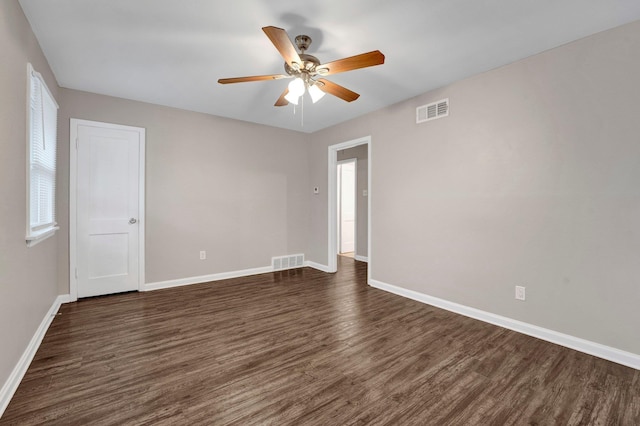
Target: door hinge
<point x="76" y="273"/>
<point x="77" y="143"/>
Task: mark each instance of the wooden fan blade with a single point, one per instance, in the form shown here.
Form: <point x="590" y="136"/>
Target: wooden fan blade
<point x="251" y="78"/>
<point x="352" y="63"/>
<point x="281" y="100"/>
<point x="282" y="42"/>
<point x="337" y="90"/>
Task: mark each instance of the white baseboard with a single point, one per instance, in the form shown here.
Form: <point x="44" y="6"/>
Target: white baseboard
<point x="318" y="266"/>
<point x="592" y="348"/>
<point x="12" y="383"/>
<point x="205" y="278"/>
<point x="66" y="298"/>
<point x="361" y="258"/>
<point x="220" y="276"/>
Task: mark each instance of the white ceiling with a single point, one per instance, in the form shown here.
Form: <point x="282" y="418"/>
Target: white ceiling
<point x="171" y="52"/>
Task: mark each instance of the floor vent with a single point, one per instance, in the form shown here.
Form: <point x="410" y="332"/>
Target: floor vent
<point x="432" y="111"/>
<point x="287" y="262"/>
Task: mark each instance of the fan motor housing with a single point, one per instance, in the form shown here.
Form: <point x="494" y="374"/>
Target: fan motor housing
<point x="309" y="64"/>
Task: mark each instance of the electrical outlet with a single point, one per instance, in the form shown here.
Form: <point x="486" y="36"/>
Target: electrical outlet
<point x="316" y="190"/>
<point x="203" y="255"/>
<point x="520" y="292"/>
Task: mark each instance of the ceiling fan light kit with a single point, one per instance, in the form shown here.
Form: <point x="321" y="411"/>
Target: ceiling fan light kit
<point x="306" y="69"/>
<point x="296" y="89"/>
<point x="315" y="92"/>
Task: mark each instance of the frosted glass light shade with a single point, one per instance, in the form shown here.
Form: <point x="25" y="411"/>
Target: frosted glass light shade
<point x="316" y="93"/>
<point x="296" y="87"/>
<point x="291" y="98"/>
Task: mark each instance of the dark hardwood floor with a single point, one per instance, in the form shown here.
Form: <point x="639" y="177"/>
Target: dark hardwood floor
<point x="306" y="348"/>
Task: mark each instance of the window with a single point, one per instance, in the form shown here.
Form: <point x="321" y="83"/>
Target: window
<point x="42" y="118"/>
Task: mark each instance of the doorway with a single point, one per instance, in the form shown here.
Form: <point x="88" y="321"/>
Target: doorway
<point x="106" y="221"/>
<point x="363" y="198"/>
<point x="346" y="185"/>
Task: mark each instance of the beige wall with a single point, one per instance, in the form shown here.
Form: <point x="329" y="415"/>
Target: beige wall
<point x="27" y="275"/>
<point x="235" y="189"/>
<point x="533" y="180"/>
<point x="360" y="153"/>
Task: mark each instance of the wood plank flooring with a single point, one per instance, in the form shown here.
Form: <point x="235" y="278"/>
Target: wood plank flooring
<point x="306" y="348"/>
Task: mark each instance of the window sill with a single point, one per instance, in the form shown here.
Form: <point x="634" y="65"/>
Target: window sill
<point x="41" y="235"/>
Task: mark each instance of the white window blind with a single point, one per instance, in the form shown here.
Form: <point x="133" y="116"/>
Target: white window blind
<point x="41" y="157"/>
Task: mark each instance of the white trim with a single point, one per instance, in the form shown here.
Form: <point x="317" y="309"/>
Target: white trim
<point x="318" y="266"/>
<point x="73" y="181"/>
<point x="65" y="298"/>
<point x="42" y="235"/>
<point x="13" y="381"/>
<point x="142" y="197"/>
<point x="205" y="278"/>
<point x="361" y="258"/>
<point x="592" y="348"/>
<point x="223" y="276"/>
<point x="73" y="219"/>
<point x="332" y="201"/>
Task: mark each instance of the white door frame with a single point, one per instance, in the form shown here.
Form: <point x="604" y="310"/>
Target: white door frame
<point x="332" y="261"/>
<point x="73" y="183"/>
<point x="355" y="207"/>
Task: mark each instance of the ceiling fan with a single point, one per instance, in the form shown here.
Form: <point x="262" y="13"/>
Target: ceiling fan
<point x="307" y="70"/>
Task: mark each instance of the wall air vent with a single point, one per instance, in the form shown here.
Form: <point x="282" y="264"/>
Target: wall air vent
<point x="281" y="263"/>
<point x="432" y="111"/>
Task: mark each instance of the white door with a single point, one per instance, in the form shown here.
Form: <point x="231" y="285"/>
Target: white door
<point x="347" y="206"/>
<point x="108" y="209"/>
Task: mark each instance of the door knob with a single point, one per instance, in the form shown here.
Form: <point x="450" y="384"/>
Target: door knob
<point x="132" y="221"/>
